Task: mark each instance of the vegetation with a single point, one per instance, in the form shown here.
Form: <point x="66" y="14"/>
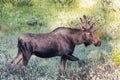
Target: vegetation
<point x="115" y="56"/>
<point x="42" y="16"/>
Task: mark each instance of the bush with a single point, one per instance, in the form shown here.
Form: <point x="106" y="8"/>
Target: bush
<point x="18" y="3"/>
<point x="115" y="56"/>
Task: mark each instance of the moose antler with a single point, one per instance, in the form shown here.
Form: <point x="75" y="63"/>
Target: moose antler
<point x="83" y="24"/>
<point x="93" y="24"/>
<point x="87" y="22"/>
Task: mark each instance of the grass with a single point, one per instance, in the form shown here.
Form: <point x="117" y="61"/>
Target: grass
<point x="44" y="69"/>
<point x="39" y="16"/>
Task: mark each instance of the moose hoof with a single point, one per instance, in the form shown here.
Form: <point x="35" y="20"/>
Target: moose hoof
<point x="81" y="63"/>
<point x="9" y="68"/>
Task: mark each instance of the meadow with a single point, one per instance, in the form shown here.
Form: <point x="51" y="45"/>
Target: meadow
<point x="41" y="16"/>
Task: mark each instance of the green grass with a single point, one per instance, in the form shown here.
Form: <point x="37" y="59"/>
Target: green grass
<point x="43" y="69"/>
<point x="39" y="16"/>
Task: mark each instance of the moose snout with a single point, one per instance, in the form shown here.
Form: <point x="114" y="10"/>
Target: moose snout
<point x="98" y="43"/>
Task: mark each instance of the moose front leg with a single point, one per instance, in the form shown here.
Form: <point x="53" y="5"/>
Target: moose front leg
<point x="62" y="65"/>
<point x="73" y="58"/>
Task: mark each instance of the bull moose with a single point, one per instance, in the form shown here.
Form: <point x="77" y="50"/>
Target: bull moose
<point x="60" y="42"/>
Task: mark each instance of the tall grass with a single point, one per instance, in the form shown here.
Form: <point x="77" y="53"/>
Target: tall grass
<point x="42" y="16"/>
<point x="18" y="3"/>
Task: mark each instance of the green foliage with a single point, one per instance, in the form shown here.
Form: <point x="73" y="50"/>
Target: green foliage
<point x="64" y="3"/>
<point x="115" y="56"/>
<point x="17" y="3"/>
<point x="41" y="16"/>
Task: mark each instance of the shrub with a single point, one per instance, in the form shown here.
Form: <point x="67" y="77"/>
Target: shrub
<point x="115" y="56"/>
<point x="18" y="3"/>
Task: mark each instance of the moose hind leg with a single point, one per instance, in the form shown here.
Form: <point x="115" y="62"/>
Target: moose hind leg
<point x="26" y="57"/>
<point x="17" y="59"/>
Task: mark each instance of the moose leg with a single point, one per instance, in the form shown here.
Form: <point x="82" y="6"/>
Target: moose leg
<point x="17" y="59"/>
<point x="26" y="57"/>
<point x="73" y="58"/>
<point x="62" y="65"/>
<point x="24" y="63"/>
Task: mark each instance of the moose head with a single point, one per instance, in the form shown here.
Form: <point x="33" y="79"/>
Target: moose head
<point x="88" y="34"/>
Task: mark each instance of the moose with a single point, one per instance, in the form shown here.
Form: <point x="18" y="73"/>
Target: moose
<point x="60" y="42"/>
